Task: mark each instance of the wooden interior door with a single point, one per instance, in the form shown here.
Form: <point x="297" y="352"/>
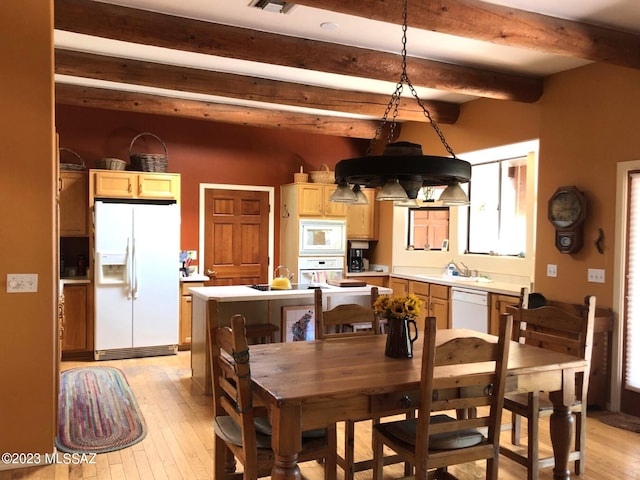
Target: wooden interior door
<point x="236" y="237"/>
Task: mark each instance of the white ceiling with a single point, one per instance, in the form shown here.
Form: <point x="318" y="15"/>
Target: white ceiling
<point x="307" y="22"/>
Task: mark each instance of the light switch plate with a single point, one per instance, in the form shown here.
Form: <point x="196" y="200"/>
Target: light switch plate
<point x="552" y="270"/>
<point x="22" y="282"/>
<point x="595" y="275"/>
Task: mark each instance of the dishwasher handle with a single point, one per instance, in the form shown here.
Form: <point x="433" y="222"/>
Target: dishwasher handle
<point x="477" y="297"/>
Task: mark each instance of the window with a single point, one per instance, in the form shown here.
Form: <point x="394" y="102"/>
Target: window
<point x="428" y="227"/>
<point x="497" y="211"/>
<point x="632" y="352"/>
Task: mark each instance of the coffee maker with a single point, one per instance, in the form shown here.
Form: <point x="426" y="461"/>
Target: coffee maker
<point x="356" y="264"/>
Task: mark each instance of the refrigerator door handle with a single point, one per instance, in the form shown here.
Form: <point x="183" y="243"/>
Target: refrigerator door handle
<point x="134" y="271"/>
<point x="128" y="269"/>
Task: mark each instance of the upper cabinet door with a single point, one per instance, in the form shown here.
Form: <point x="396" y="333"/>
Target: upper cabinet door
<point x="333" y="209"/>
<point x="119" y="184"/>
<point x="362" y="220"/>
<point x="310" y="199"/>
<point x="115" y="184"/>
<point x="158" y="186"/>
<point x="73" y="204"/>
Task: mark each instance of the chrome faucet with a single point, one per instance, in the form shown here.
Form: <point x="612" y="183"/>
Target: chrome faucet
<point x="464" y="272"/>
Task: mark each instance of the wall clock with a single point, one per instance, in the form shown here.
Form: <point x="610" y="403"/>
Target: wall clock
<point x="567" y="213"/>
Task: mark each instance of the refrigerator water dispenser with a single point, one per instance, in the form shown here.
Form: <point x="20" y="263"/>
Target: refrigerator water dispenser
<point x="112" y="268"/>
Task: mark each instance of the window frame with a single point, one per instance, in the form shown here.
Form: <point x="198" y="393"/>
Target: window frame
<point x="502" y="163"/>
<point x="410" y="229"/>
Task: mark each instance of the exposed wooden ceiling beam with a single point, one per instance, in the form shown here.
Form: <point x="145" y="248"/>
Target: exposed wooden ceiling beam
<point x="67" y="94"/>
<point x="150" y="28"/>
<point x="501" y="25"/>
<point x="184" y="79"/>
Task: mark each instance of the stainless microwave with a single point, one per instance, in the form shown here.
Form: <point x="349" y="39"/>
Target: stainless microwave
<point x="323" y="237"/>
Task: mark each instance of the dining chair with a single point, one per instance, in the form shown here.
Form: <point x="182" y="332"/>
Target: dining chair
<point x="340" y="320"/>
<point x="239" y="418"/>
<point x="438" y="438"/>
<point x="562" y="327"/>
<point x="346" y="321"/>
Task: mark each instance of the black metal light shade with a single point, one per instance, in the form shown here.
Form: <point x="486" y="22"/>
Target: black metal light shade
<point x="404" y="161"/>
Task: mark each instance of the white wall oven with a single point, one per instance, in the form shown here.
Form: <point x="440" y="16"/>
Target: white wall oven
<point x="323" y="237"/>
<point x="320" y="269"/>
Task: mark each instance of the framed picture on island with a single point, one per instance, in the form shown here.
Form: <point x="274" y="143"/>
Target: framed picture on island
<point x="298" y="323"/>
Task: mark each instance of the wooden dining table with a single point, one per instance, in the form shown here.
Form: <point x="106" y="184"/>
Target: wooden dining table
<point x="307" y="385"/>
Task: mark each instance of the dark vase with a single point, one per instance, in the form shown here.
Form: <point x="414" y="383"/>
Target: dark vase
<point x="399" y="339"/>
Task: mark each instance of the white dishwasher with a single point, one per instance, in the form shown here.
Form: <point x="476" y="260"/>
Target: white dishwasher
<point x="470" y="309"/>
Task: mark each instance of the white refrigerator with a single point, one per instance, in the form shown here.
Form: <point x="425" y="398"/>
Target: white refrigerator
<point x="137" y="247"/>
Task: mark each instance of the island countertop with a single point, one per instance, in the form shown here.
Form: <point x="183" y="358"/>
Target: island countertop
<point x="244" y="293"/>
<point x="216" y="305"/>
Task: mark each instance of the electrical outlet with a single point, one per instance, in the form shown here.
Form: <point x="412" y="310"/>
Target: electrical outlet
<point x="22" y="282"/>
<point x="552" y="270"/>
<point x="595" y="275"/>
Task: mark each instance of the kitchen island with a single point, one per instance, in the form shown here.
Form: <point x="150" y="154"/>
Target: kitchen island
<point x="218" y="304"/>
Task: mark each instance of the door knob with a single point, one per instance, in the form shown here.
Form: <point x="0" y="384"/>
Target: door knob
<point x="211" y="272"/>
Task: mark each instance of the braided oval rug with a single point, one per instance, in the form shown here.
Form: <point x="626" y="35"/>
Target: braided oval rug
<point x="97" y="411"/>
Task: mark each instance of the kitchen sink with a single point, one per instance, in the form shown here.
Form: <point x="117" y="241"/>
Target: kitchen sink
<point x="456" y="279"/>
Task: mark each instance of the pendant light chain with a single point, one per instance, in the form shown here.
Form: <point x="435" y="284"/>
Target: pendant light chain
<point x="394" y="102"/>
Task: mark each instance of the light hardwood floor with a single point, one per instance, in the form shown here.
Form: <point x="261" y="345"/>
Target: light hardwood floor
<point x="179" y="442"/>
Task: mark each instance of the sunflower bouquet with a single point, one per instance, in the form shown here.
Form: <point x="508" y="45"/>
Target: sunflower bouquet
<point x="397" y="307"/>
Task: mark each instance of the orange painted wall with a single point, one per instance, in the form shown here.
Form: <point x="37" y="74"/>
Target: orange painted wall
<point x="202" y="152"/>
<point x="27" y="237"/>
<point x="587" y="122"/>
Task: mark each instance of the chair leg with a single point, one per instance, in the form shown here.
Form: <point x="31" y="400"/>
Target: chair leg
<point x="581" y="442"/>
<point x="378" y="448"/>
<point x="222" y="469"/>
<point x="533" y="425"/>
<point x="349" y="439"/>
<point x="516" y="428"/>
<point x="408" y="466"/>
<point x="492" y="469"/>
<point x="330" y="462"/>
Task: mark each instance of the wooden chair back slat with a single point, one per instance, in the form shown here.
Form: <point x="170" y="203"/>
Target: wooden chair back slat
<point x="465" y="350"/>
<point x="331" y="323"/>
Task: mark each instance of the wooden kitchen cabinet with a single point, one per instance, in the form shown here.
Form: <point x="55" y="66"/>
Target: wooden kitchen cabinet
<point x="435" y="302"/>
<point x="125" y="184"/>
<point x="379" y="280"/>
<point x="311" y="200"/>
<point x="74" y="202"/>
<point x="362" y="220"/>
<point x="421" y="290"/>
<point x="184" y="338"/>
<point x="75" y="334"/>
<point x="499" y="304"/>
<point x="400" y="286"/>
<point x="440" y="305"/>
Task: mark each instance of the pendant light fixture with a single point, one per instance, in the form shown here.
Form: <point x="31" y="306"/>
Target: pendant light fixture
<point x="402" y="169"/>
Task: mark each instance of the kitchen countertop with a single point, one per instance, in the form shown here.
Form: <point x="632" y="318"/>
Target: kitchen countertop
<point x="196" y="277"/>
<point x="503" y="288"/>
<point x="483" y="284"/>
<point x="368" y="273"/>
<point x="244" y="293"/>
